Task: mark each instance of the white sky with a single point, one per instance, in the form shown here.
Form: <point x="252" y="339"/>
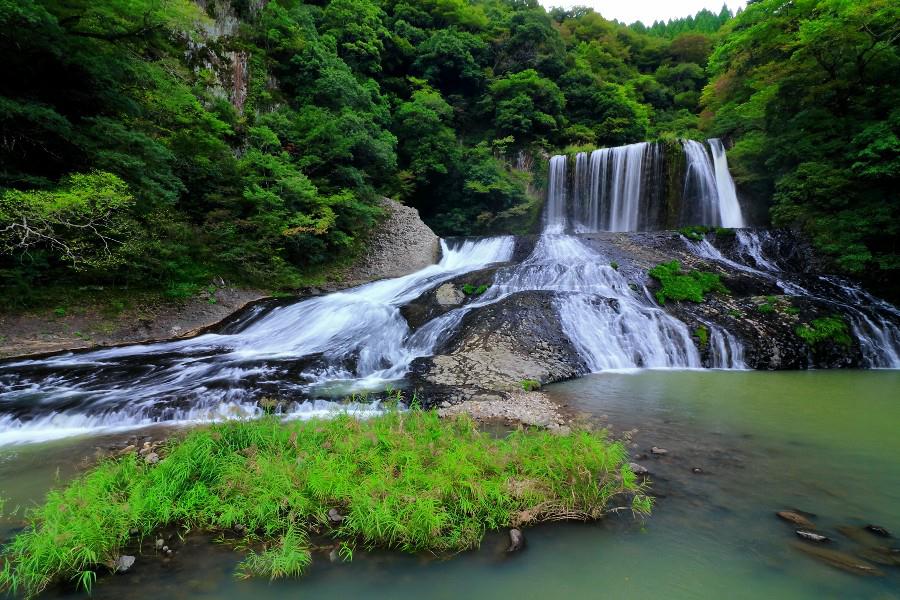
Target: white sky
<point x="629" y="11"/>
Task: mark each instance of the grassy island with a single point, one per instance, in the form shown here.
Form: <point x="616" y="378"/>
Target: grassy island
<point x="408" y="481"/>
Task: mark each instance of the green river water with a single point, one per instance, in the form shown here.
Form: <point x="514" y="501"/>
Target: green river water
<point x="825" y="442"/>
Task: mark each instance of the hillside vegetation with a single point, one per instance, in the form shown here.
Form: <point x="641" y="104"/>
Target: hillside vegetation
<point x="160" y="143"/>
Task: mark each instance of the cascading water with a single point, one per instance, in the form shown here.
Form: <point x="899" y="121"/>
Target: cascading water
<point x="348" y="340"/>
<point x="610" y="188"/>
<point x="555" y="212"/>
<point x="873" y="321"/>
<point x="729" y="208"/>
<point x="700" y="196"/>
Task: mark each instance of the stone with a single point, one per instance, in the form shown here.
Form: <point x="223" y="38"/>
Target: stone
<point x="449" y="295"/>
<point x="839" y="560"/>
<point x="697" y="471"/>
<point x="877" y="530"/>
<point x="160" y="543"/>
<point x="516" y="540"/>
<point x="152" y="458"/>
<point x="123" y="563"/>
<point x="127" y="449"/>
<point x="639" y="470"/>
<point x="445" y="404"/>
<point x="334" y="517"/>
<point x="812" y="537"/>
<point x="658" y="451"/>
<point x="795" y="518"/>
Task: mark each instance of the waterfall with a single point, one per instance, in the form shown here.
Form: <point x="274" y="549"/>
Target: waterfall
<point x="729" y="208"/>
<point x="555" y="216"/>
<point x="725" y="350"/>
<point x="330" y="345"/>
<point x="701" y="197"/>
<point x="583" y="212"/>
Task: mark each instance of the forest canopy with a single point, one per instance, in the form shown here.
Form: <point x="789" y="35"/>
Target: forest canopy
<point x="160" y="143"/>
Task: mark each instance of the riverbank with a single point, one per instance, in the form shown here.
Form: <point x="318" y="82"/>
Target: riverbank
<point x="97" y="317"/>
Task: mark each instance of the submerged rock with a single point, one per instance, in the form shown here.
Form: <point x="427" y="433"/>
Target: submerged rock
<point x="838" y="560"/>
<point x="795" y="518"/>
<point x="812" y="537"/>
<point x="878" y="530"/>
<point x="516" y="540"/>
<point x="658" y="451"/>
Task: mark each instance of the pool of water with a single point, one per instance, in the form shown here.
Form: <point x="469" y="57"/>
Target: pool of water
<point x="824" y="442"/>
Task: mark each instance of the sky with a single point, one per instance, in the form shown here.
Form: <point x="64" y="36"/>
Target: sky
<point x="629" y="11"/>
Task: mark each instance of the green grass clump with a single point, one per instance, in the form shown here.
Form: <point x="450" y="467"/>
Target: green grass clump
<point x="824" y="329"/>
<point x="470" y="290"/>
<point x="530" y="384"/>
<point x="695" y="232"/>
<point x="702" y="335"/>
<point x="690" y="285"/>
<point x="409" y="481"/>
<point x="725" y="232"/>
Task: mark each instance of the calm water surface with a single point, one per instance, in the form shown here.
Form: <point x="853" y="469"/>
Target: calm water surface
<point x="825" y="442"/>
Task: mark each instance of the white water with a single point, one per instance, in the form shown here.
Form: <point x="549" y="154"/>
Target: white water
<point x="701" y="196"/>
<point x="555" y="213"/>
<point x="729" y="208"/>
<point x="348" y="341"/>
<point x="608" y="190"/>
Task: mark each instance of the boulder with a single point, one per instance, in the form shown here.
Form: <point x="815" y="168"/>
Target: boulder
<point x="123" y="563"/>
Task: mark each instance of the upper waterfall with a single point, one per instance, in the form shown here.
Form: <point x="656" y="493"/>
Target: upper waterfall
<point x="626" y="188"/>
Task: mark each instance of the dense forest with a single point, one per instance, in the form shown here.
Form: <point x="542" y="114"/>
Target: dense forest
<point x="160" y="143"/>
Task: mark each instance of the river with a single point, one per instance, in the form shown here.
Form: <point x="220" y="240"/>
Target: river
<point x="824" y="442"/>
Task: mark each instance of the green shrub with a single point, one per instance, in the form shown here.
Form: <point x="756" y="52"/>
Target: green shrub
<point x="702" y="335"/>
<point x="694" y="232"/>
<point x="470" y="290"/>
<point x="530" y="384"/>
<point x="690" y="285"/>
<point x="406" y="481"/>
<point x="832" y="328"/>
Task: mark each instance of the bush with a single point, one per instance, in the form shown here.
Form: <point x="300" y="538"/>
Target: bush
<point x="832" y="328"/>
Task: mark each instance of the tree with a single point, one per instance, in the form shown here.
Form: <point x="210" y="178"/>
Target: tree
<point x="525" y="106"/>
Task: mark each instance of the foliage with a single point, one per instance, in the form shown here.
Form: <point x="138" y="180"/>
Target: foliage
<point x="678" y="285"/>
<point x="529" y="385"/>
<point x="702" y="335"/>
<point x="695" y="232"/>
<point x="405" y="481"/>
<point x="808" y="89"/>
<point x="470" y="290"/>
<point x="824" y="329"/>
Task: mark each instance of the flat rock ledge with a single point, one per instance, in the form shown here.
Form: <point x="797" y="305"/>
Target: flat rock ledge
<point x="525" y="408"/>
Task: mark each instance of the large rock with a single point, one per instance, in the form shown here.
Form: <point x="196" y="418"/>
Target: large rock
<point x="401" y="244"/>
<point x="498" y="346"/>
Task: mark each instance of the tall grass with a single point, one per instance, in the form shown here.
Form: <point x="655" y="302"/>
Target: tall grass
<point x="408" y="481"/>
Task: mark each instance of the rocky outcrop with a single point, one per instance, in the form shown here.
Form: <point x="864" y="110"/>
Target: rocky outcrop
<point x="401" y="244"/>
<point x="497" y="347"/>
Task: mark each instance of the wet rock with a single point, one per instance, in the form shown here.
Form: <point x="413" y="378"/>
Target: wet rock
<point x="812" y="536"/>
<point x="449" y="295"/>
<point x="152" y="458"/>
<point x="333" y="554"/>
<point x="639" y="470"/>
<point x="795" y="518"/>
<point x="516" y="540"/>
<point x="123" y="563"/>
<point x="878" y="530"/>
<point x="697" y="471"/>
<point x="658" y="451"/>
<point x="160" y="543"/>
<point x="335" y="517"/>
<point x="839" y="560"/>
